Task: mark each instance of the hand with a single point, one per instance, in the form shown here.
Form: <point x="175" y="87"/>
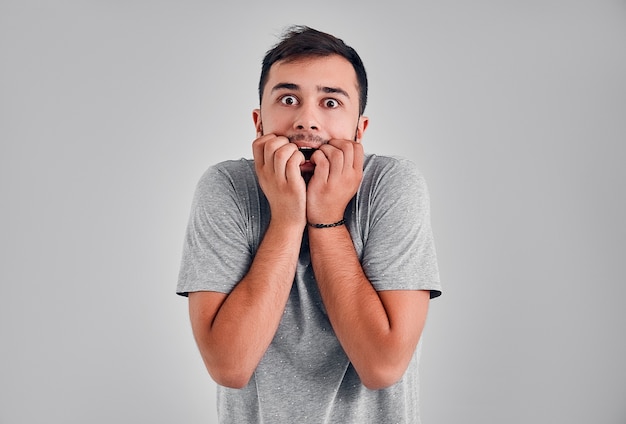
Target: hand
<point x="277" y="164"/>
<point x="336" y="179"/>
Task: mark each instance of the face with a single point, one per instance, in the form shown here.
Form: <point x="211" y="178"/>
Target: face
<point x="311" y="101"/>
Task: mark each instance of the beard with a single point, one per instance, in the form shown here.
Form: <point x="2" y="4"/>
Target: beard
<point x="312" y="138"/>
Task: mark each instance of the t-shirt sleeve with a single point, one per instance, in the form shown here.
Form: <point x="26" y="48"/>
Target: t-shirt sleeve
<point x="216" y="249"/>
<point x="398" y="246"/>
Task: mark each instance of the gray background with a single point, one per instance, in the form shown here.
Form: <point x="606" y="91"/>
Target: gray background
<point x="515" y="112"/>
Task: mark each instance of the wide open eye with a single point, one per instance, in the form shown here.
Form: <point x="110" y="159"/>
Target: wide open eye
<point x="331" y="103"/>
<point x="289" y="100"/>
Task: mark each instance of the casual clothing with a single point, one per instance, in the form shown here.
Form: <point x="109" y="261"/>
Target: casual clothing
<point x="305" y="376"/>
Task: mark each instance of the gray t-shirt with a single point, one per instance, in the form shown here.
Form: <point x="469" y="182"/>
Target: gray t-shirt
<point x="305" y="376"/>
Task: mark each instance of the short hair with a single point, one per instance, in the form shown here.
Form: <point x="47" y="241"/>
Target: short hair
<point x="300" y="42"/>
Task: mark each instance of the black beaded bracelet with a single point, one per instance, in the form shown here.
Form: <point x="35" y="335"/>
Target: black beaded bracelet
<point x="334" y="224"/>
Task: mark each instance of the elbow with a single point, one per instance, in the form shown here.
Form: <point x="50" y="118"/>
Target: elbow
<point x="379" y="383"/>
<point x="231" y="378"/>
<point x="228" y="373"/>
<point x="381" y="377"/>
<point x="384" y="368"/>
<point x="227" y="370"/>
<point x="232" y="383"/>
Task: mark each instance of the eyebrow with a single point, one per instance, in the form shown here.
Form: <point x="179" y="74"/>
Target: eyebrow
<point x="285" y="86"/>
<point x="321" y="89"/>
<point x="333" y="90"/>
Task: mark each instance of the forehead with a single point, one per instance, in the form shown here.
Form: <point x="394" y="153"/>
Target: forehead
<point x="312" y="72"/>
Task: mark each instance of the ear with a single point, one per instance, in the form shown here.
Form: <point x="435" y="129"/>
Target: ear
<point x="361" y="127"/>
<point x="256" y="118"/>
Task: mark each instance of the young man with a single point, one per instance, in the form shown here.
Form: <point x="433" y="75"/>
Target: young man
<point x="310" y="268"/>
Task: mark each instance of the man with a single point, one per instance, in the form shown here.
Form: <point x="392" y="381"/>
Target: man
<point x="310" y="268"/>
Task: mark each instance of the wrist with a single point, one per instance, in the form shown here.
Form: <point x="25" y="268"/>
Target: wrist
<point x="338" y="223"/>
<point x="287" y="229"/>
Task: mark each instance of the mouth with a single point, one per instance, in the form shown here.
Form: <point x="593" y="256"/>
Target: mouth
<point x="307" y="152"/>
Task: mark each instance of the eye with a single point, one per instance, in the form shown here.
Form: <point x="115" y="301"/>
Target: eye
<point x="289" y="100"/>
<point x="331" y="103"/>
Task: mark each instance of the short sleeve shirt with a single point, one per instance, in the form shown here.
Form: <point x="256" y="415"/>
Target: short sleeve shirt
<point x="305" y="376"/>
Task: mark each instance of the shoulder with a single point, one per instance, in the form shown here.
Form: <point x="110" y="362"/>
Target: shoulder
<point x="226" y="181"/>
<point x="229" y="169"/>
<point x="392" y="170"/>
<point x="231" y="173"/>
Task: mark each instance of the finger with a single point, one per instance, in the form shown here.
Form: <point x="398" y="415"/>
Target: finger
<point x="272" y="144"/>
<point x="322" y="164"/>
<point x="347" y="147"/>
<point x="335" y="158"/>
<point x="268" y="153"/>
<point x="359" y="157"/>
<point x="292" y="167"/>
<point x="281" y="155"/>
<point x="257" y="152"/>
<point x="258" y="149"/>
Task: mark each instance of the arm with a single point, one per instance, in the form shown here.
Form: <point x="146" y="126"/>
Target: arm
<point x="378" y="330"/>
<point x="233" y="331"/>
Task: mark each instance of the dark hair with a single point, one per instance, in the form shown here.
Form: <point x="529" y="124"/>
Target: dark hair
<point x="301" y="42"/>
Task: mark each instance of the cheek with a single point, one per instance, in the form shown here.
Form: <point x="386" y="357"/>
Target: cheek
<point x="273" y="122"/>
<point x="343" y="127"/>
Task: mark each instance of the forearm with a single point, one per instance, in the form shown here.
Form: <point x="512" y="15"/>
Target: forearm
<point x="376" y="347"/>
<point x="233" y="341"/>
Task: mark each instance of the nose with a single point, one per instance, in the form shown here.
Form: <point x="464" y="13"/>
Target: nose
<point x="306" y="119"/>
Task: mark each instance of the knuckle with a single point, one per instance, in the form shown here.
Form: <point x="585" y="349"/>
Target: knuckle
<point x="282" y="154"/>
<point x="336" y="154"/>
